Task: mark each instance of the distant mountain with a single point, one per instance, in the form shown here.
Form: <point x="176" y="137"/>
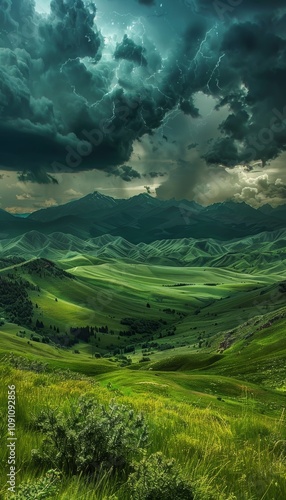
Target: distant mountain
<point x="146" y="219"/>
<point x="5" y="216"/>
<point x="87" y="206"/>
<point x="279" y="212"/>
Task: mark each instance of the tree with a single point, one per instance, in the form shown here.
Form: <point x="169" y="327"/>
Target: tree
<point x="92" y="342"/>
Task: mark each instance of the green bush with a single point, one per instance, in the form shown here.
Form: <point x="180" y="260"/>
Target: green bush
<point x="46" y="488"/>
<point x="144" y="359"/>
<point x="90" y="438"/>
<point x="157" y="478"/>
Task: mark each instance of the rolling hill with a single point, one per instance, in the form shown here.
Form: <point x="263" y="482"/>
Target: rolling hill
<point x="166" y="310"/>
<point x="190" y="332"/>
<point x="263" y="252"/>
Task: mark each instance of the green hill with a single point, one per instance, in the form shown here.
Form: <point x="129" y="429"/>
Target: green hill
<point x="198" y="349"/>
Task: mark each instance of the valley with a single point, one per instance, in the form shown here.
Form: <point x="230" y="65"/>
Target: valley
<point x="183" y="330"/>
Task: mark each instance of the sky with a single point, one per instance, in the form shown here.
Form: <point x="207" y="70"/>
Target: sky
<point x="180" y="99"/>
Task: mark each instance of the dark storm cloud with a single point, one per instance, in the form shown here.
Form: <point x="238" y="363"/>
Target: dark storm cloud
<point x="69" y="32"/>
<point x="12" y="14"/>
<point x="128" y="50"/>
<point x="224" y="9"/>
<point x="153" y="174"/>
<point x="60" y="109"/>
<point x="190" y="66"/>
<point x="189" y="108"/>
<point x="147" y="2"/>
<point x="223" y="151"/>
<point x="33" y="130"/>
<point x="66" y="107"/>
<point x="57" y="113"/>
<point x="40" y="177"/>
<point x="255" y="60"/>
<point x="126" y="173"/>
<point x="236" y="125"/>
<point x="192" y="146"/>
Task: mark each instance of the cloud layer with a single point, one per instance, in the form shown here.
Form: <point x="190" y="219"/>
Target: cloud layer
<point x="73" y="99"/>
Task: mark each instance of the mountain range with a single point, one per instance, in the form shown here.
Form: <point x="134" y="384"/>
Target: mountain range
<point x="143" y="218"/>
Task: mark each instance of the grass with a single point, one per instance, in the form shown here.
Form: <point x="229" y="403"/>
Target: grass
<point x="55" y="358"/>
<point x="219" y="411"/>
<point x="227" y="451"/>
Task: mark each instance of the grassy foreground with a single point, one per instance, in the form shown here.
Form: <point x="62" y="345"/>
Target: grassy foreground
<point x="229" y="453"/>
<point x="214" y="400"/>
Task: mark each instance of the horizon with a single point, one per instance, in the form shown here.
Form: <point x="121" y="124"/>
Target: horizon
<point x="240" y="202"/>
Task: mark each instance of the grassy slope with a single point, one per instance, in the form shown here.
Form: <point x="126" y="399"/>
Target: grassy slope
<point x="52" y="356"/>
<point x="181" y="385"/>
<point x="104" y="294"/>
<point x="227" y="447"/>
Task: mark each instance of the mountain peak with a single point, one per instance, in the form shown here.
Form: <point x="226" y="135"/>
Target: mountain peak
<point x="143" y="195"/>
<point x="97" y="196"/>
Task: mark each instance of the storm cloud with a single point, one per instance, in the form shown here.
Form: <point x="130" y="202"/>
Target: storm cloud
<point x="62" y="109"/>
<point x="73" y="99"/>
<point x="127" y="173"/>
<point x="128" y="50"/>
<point x="147" y="2"/>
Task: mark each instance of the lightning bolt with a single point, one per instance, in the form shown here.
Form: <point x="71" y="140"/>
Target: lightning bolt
<point x="73" y="86"/>
<point x="67" y="61"/>
<point x="200" y="49"/>
<point x="154" y="87"/>
<point x="170" y="116"/>
<point x="135" y="27"/>
<point x="213" y="72"/>
<point x="192" y="65"/>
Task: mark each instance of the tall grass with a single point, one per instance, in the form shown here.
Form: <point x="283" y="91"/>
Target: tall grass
<point x="239" y="456"/>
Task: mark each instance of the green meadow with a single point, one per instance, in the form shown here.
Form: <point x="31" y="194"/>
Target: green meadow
<point x="197" y="352"/>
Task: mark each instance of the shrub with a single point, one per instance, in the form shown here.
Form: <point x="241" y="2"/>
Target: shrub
<point x="158" y="478"/>
<point x="45" y="488"/>
<point x="21" y="363"/>
<point x="35" y="339"/>
<point x="91" y="439"/>
<point x="144" y="359"/>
